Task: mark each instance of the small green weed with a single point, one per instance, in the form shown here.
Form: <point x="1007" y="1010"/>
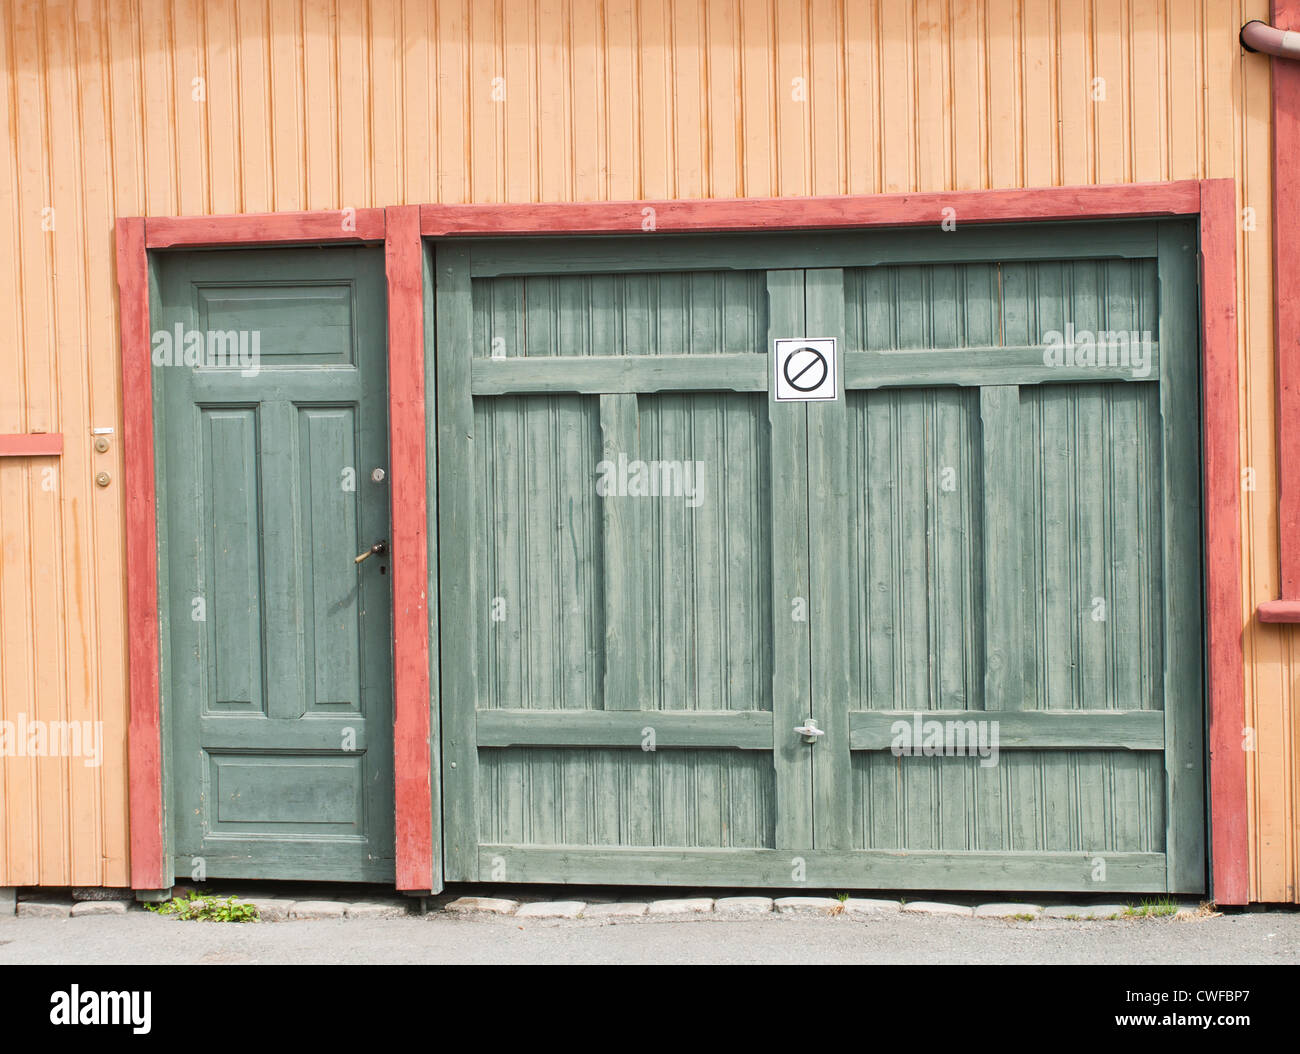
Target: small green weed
<point x="1151" y="909"/>
<point x="207" y="908"/>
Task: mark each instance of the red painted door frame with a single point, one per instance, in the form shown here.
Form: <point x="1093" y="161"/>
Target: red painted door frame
<point x="398" y="229"/>
<point x="1213" y="201"/>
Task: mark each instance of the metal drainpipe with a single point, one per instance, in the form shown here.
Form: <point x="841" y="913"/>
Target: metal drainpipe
<point x="1260" y="36"/>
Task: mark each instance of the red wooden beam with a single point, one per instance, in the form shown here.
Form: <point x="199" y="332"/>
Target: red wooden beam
<point x="31" y="444"/>
<point x="1286" y="308"/>
<point x="403" y="259"/>
<point x="1226" y="687"/>
<point x="826" y="213"/>
<point x="144" y="743"/>
<point x="1286" y="317"/>
<point x="347" y="226"/>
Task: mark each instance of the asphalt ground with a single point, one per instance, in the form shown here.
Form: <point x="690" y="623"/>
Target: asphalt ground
<point x="141" y="937"/>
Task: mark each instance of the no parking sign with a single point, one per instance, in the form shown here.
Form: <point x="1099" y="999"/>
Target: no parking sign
<point x="804" y="369"/>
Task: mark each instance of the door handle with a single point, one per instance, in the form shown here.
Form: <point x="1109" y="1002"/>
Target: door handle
<point x="377" y="549"/>
<point x="810" y="731"/>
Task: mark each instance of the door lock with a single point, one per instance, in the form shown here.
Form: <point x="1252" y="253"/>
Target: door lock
<point x="809" y="731"/>
<point x="377" y="549"/>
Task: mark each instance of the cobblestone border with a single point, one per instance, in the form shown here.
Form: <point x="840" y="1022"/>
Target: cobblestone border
<point x="738" y="906"/>
<point x="272" y="908"/>
<point x="269" y="908"/>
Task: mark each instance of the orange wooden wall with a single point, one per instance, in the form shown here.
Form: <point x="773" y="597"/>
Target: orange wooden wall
<point x="127" y="107"/>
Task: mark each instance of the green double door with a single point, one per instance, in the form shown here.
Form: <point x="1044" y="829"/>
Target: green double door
<point x="942" y="631"/>
<point x="272" y="449"/>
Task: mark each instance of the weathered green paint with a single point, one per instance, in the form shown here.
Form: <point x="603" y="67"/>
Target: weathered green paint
<point x="626" y="658"/>
<point x="968" y="533"/>
<point x="741" y="729"/>
<point x="278" y="694"/>
<point x="1182" y="663"/>
<point x="1004" y="586"/>
<point x="611" y="374"/>
<point x="595" y="259"/>
<point x="462" y="609"/>
<point x="792" y="702"/>
<point x="432" y="499"/>
<point x="1135" y="872"/>
<point x="1028" y="729"/>
<point x="831" y="502"/>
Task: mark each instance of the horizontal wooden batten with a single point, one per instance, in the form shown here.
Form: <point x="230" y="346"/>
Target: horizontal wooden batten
<point x="233" y="863"/>
<point x="739" y="729"/>
<point x="942" y="367"/>
<point x="762" y="250"/>
<point x="278" y="228"/>
<point x="977" y="367"/>
<point x="248" y="734"/>
<point x="1025" y="729"/>
<point x="1177" y="198"/>
<point x="31" y="444"/>
<point x="612" y="374"/>
<point x="851" y="868"/>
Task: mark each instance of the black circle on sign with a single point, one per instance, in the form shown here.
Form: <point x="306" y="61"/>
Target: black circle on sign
<point x="818" y="366"/>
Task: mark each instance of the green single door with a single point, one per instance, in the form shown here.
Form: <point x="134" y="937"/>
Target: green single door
<point x="272" y="449"/>
<point x="703" y="627"/>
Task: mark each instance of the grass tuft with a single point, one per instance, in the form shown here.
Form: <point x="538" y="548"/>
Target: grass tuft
<point x="207" y="908"/>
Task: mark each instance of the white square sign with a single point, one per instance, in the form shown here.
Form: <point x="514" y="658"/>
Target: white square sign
<point x="804" y="369"/>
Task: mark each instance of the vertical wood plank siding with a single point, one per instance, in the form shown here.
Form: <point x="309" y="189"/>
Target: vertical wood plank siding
<point x="170" y="107"/>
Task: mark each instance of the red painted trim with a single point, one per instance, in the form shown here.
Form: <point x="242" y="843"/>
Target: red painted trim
<point x="144" y="742"/>
<point x="345" y="226"/>
<point x="1286" y="307"/>
<point x="31" y="444"/>
<point x="1279" y="611"/>
<point x="857" y="211"/>
<point x="404" y="265"/>
<point x="1226" y="678"/>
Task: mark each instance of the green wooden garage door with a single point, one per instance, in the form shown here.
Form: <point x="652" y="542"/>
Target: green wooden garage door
<point x="652" y="573"/>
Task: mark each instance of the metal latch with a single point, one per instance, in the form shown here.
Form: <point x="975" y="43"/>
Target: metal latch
<point x="810" y="731"/>
<point x="374" y="550"/>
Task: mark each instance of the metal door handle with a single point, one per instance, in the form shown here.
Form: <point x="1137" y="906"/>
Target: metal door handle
<point x="810" y="731"/>
<point x="375" y="550"/>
